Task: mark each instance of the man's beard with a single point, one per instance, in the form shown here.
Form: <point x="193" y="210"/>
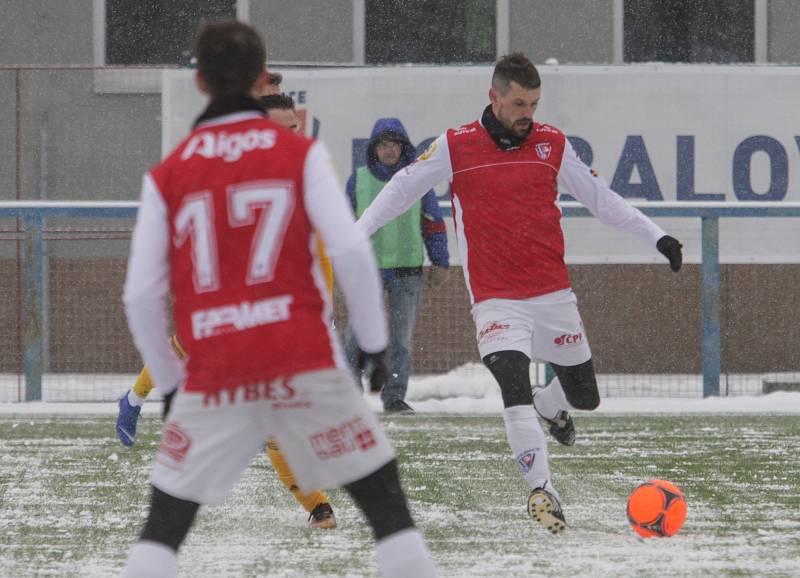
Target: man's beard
<point x="504" y="134"/>
<point x="520" y="128"/>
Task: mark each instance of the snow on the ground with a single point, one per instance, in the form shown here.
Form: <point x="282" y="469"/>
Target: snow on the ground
<point x="471" y="389"/>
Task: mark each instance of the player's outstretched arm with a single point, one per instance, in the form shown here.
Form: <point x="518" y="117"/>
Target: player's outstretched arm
<point x="408" y="185"/>
<point x="591" y="190"/>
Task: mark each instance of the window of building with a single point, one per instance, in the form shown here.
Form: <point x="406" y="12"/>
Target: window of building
<point x="430" y="31"/>
<point x="157" y="32"/>
<point x="713" y="31"/>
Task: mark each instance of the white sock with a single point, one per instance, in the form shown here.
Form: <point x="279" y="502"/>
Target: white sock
<point x="151" y="560"/>
<point x="529" y="445"/>
<point x="404" y="554"/>
<point x="550" y="400"/>
<point x="134" y="399"/>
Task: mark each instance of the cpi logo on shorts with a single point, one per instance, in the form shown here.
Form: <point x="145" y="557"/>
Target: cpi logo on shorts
<point x="569" y="340"/>
<point x="175" y="443"/>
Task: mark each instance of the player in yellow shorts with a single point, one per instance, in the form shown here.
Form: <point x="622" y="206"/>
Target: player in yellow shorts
<point x="281" y="109"/>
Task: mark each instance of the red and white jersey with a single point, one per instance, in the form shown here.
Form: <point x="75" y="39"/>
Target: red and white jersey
<point x="508" y="223"/>
<point x="227" y="223"/>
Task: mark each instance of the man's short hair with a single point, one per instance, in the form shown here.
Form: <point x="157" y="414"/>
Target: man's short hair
<point x="391" y="136"/>
<point x="518" y="68"/>
<point x="283" y="101"/>
<point x="274" y="78"/>
<point x="230" y="57"/>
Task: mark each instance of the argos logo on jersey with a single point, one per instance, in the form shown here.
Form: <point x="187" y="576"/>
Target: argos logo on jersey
<point x="245" y="315"/>
<point x="228" y="147"/>
<point x="569" y="340"/>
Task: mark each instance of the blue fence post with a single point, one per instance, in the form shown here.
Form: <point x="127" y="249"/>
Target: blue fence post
<point x="32" y="300"/>
<point x="711" y="306"/>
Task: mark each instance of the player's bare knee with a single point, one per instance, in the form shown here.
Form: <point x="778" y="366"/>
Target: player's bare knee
<point x="579" y="384"/>
<point x="382" y="500"/>
<point x="511" y="370"/>
<point x="169" y="520"/>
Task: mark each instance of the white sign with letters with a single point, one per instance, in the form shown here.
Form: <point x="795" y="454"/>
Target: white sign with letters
<point x="654" y="132"/>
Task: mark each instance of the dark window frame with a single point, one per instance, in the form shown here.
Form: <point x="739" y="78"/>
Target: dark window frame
<point x="688" y="38"/>
<point x="429" y="41"/>
<point x="156" y="38"/>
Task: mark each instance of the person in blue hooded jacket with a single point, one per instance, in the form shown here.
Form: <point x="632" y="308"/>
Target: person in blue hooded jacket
<point x="399" y="250"/>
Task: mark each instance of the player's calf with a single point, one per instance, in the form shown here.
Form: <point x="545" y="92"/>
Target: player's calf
<point x="382" y="500"/>
<point x="400" y="549"/>
<point x="169" y="520"/>
<point x="579" y="384"/>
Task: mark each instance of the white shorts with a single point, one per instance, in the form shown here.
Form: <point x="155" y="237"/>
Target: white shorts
<point x="320" y="420"/>
<point x="545" y="328"/>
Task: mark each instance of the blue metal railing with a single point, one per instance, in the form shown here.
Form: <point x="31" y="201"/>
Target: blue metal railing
<point x="33" y="213"/>
<point x="709" y="213"/>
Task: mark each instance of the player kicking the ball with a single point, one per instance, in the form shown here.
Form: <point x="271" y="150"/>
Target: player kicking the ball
<point x="227" y="223"/>
<point x="505" y="172"/>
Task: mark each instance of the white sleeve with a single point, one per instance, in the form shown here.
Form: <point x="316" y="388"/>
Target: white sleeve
<point x="146" y="288"/>
<point x="349" y="249"/>
<point x="408" y="185"/>
<point x="577" y="179"/>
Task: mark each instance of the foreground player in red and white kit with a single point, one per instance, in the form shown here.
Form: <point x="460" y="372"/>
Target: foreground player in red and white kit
<point x="227" y="223"/>
<point x="505" y="173"/>
<point x="279" y="108"/>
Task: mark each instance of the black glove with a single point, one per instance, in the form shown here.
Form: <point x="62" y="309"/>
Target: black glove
<point x="167" y="404"/>
<point x="374" y="366"/>
<point x="670" y="247"/>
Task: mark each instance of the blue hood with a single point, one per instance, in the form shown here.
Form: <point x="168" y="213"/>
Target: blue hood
<point x="398" y="132"/>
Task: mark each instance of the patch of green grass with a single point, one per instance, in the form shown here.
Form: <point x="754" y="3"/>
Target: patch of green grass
<point x="72" y="501"/>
